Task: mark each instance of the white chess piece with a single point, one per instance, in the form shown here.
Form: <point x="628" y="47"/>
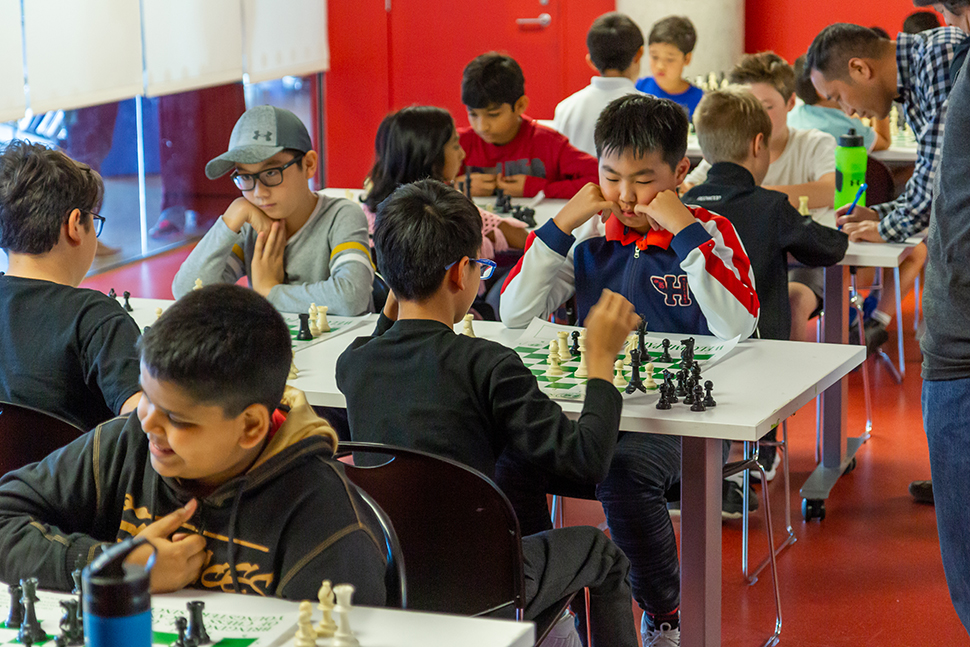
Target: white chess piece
<point x="554" y="369"/>
<point x="323" y="324"/>
<point x="326" y="626"/>
<point x="631" y="343"/>
<point x="314" y="330"/>
<point x="466" y="326"/>
<point x="305" y="635"/>
<point x="619" y="380"/>
<point x="158" y="312"/>
<point x="648" y="381"/>
<point x="294" y="371"/>
<point x="582" y="370"/>
<point x="198" y="284"/>
<point x="564" y="354"/>
<point x="343" y="637"/>
<point x="313" y="311"/>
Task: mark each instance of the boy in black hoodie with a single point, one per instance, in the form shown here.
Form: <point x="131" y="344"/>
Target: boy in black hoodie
<point x="417" y="384"/>
<point x="734" y="129"/>
<point x="233" y="494"/>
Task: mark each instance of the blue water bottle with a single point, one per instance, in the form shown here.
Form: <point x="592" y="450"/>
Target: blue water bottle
<point x="117" y="598"/>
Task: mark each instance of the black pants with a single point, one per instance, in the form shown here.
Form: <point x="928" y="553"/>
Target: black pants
<point x="565" y="561"/>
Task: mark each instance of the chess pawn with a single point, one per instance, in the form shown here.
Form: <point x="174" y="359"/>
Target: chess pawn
<point x="198" y="284"/>
<point x="294" y="371"/>
<point x="326" y="626"/>
<point x="709" y="400"/>
<point x="619" y="380"/>
<point x="648" y="378"/>
<point x="312" y="314"/>
<point x="343" y="637"/>
<point x="158" y="313"/>
<point x="322" y="323"/>
<point x="554" y="369"/>
<point x="305" y="634"/>
<point x="698" y="399"/>
<point x="466" y="326"/>
<point x="803" y="205"/>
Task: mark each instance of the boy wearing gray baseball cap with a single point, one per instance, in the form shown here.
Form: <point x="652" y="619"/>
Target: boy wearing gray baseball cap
<point x="295" y="246"/>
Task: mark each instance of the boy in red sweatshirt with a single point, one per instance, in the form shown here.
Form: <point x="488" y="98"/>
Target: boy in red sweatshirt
<point x="504" y="148"/>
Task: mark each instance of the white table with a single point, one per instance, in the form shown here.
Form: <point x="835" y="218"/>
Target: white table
<point x="897" y="154"/>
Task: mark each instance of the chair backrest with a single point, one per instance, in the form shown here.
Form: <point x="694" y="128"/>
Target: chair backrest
<point x="27" y="435"/>
<point x="882" y="188"/>
<point x="394" y="578"/>
<point x="380" y="292"/>
<point x="458" y="531"/>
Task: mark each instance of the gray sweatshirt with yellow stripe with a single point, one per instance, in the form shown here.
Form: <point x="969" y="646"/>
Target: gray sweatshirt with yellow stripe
<point x="327" y="261"/>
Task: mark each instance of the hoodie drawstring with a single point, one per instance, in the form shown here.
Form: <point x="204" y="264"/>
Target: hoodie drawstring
<point x="233" y="518"/>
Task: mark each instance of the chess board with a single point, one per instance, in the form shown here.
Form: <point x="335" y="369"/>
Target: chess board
<point x="338" y="326"/>
<point x="535" y="355"/>
<point x="225" y="629"/>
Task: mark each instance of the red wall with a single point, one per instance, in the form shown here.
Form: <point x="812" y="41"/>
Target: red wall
<point x="788" y="26"/>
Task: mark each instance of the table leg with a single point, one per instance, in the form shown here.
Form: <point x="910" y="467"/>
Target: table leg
<point x="837" y="449"/>
<point x="700" y="543"/>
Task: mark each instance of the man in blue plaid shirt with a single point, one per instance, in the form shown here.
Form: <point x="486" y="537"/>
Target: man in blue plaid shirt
<point x="866" y="73"/>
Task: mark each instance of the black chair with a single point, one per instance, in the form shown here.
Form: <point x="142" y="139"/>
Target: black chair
<point x="380" y="291"/>
<point x="395" y="581"/>
<point x="880" y="180"/>
<point x="27" y="435"/>
<point x="457" y="530"/>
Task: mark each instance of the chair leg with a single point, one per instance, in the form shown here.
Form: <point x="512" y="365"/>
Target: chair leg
<point x="751" y="456"/>
<point x="790" y="539"/>
<point x="557" y="514"/>
<point x="819" y="324"/>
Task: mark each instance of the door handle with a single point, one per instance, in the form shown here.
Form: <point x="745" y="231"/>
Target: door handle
<point x="543" y="21"/>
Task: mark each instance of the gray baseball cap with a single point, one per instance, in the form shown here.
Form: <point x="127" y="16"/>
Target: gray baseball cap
<point x="259" y="134"/>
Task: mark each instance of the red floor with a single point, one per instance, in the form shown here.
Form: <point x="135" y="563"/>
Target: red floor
<point x="868" y="575"/>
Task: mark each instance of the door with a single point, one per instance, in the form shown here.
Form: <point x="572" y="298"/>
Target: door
<point x="432" y="41"/>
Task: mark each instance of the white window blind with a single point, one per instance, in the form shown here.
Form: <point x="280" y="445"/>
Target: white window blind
<point x="285" y="38"/>
<point x="12" y="105"/>
<point x="191" y="44"/>
<point x="82" y="53"/>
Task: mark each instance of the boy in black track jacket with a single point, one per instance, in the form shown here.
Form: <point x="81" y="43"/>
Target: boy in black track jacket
<point x="734" y="130"/>
<point x="233" y="495"/>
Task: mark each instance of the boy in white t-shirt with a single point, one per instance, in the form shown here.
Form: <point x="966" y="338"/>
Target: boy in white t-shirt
<point x="615" y="45"/>
<point x="802" y="164"/>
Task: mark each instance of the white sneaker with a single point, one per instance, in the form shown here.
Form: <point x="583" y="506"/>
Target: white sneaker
<point x="563" y="633"/>
<point x="662" y="637"/>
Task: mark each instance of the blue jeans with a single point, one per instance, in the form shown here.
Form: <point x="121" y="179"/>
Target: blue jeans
<point x="644" y="467"/>
<point x="946" y="418"/>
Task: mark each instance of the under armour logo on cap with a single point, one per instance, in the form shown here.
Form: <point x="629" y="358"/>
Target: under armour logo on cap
<point x="268" y="135"/>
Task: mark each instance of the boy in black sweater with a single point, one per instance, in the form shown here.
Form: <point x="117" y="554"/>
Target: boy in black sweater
<point x="233" y="495"/>
<point x="417" y="384"/>
<point x="734" y="129"/>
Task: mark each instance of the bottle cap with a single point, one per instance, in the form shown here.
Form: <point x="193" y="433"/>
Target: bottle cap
<point x="851" y="139"/>
<point x="113" y="589"/>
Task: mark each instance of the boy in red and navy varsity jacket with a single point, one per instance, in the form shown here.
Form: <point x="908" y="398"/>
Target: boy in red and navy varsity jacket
<point x="504" y="148"/>
<point x="683" y="268"/>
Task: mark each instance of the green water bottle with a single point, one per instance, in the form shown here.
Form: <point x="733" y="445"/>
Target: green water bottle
<point x="851" y="158"/>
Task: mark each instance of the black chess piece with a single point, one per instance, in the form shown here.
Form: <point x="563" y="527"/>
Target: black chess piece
<point x="468" y="182"/>
<point x="575" y="347"/>
<point x="695" y="371"/>
<point x="664" y="401"/>
<point x="698" y="399"/>
<point x="112" y="293"/>
<point x="665" y="357"/>
<point x="71" y="630"/>
<point x="30" y="629"/>
<point x="709" y="400"/>
<point x="671" y="389"/>
<point x="76" y="576"/>
<point x="184" y="640"/>
<point x="636" y="382"/>
<point x="197" y="630"/>
<point x="16" y="615"/>
<point x="127" y="296"/>
<point x="304" y="334"/>
<point x="682" y="383"/>
<point x="641" y="342"/>
<point x="525" y="214"/>
<point x="688" y="390"/>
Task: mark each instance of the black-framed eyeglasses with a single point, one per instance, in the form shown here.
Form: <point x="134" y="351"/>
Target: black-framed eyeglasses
<point x="269" y="176"/>
<point x="98" y="223"/>
<point x="486" y="266"/>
